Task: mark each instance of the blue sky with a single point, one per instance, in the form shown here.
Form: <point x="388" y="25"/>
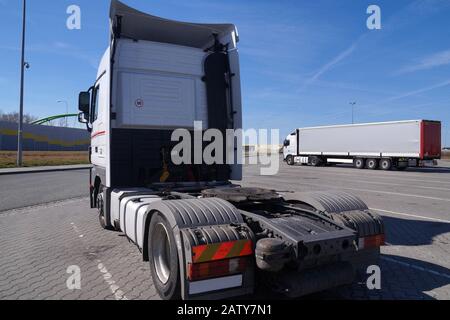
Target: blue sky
<point x="302" y="62"/>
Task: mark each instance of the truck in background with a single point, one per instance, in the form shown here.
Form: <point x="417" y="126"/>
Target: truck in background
<point x="203" y="236"/>
<point x="382" y="145"/>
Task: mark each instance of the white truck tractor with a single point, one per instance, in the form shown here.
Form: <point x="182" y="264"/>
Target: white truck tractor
<point x="204" y="237"/>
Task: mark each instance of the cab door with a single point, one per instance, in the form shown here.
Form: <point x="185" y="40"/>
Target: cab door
<point x="98" y="135"/>
<point x="290" y="146"/>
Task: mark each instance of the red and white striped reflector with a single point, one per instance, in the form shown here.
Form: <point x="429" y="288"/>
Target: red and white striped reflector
<point x="216" y="269"/>
<point x="221" y="251"/>
<point x="372" y="241"/>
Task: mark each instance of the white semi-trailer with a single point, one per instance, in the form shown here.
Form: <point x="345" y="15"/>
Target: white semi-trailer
<point x="384" y="145"/>
<point x="204" y="237"/>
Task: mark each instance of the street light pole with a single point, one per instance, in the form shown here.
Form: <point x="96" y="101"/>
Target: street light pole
<point x="67" y="110"/>
<point x="22" y="74"/>
<point x="353" y="104"/>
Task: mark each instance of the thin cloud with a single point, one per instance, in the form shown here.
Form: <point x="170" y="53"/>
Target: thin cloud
<point x="344" y="54"/>
<point x="435" y="60"/>
<point x="419" y="91"/>
<point x="423" y="8"/>
<point x="371" y="106"/>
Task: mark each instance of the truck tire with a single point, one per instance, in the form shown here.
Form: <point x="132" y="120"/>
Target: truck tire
<point x="372" y="164"/>
<point x="101" y="210"/>
<point x="386" y="164"/>
<point x="290" y="160"/>
<point x="316" y="161"/>
<point x="359" y="163"/>
<point x="163" y="257"/>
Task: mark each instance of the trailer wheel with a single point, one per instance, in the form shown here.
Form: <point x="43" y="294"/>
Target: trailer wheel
<point x="359" y="163"/>
<point x="372" y="164"/>
<point x="290" y="160"/>
<point x="386" y="164"/>
<point x="163" y="254"/>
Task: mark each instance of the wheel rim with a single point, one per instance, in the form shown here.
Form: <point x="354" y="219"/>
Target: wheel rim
<point x="358" y="163"/>
<point x="161" y="252"/>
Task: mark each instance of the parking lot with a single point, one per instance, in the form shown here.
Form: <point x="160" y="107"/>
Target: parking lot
<point x="46" y="226"/>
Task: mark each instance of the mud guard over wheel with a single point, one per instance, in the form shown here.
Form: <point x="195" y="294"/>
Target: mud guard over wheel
<point x="349" y="211"/>
<point x="331" y="202"/>
<point x="192" y="223"/>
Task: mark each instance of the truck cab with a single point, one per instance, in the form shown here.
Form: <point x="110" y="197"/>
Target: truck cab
<point x="290" y="147"/>
<point x="204" y="236"/>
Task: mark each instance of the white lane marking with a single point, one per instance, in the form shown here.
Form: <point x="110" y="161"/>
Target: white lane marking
<point x="392" y="184"/>
<point x="107" y="277"/>
<point x="372" y="191"/>
<point x="392" y="193"/>
<point x="416" y="267"/>
<point x="379" y="175"/>
<point x="410" y="215"/>
<point x="115" y="289"/>
<point x="402" y="185"/>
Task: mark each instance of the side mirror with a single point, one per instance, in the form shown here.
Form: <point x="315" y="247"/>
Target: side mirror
<point x="84" y="102"/>
<point x="82" y="118"/>
<point x="287" y="143"/>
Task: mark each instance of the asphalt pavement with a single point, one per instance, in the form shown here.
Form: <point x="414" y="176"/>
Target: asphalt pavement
<point x="39" y="243"/>
<point x="29" y="189"/>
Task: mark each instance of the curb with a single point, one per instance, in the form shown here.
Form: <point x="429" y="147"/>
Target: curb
<point x="4" y="172"/>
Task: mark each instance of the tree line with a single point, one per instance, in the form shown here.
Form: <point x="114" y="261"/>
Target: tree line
<point x="14" y="117"/>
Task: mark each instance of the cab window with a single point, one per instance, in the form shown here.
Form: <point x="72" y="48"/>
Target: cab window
<point x="95" y="100"/>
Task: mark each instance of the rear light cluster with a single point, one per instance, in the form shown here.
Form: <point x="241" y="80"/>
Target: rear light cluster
<point x="217" y="269"/>
<point x="372" y="241"/>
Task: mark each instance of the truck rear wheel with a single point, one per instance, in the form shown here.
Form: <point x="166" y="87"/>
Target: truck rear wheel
<point x="290" y="160"/>
<point x="163" y="254"/>
<point x="386" y="164"/>
<point x="372" y="164"/>
<point x="316" y="161"/>
<point x="359" y="163"/>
